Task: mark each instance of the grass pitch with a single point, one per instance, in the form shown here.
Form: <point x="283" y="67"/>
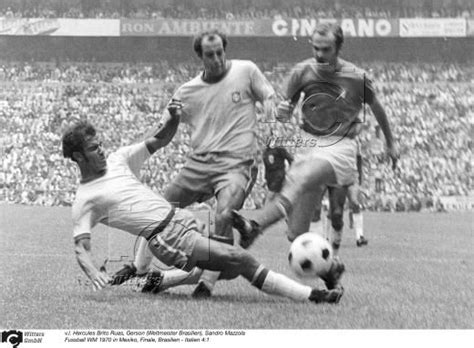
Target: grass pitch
<point x="416" y="273"/>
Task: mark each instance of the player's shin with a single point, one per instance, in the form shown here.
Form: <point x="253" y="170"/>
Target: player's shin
<point x="277" y="284"/>
<point x="176" y="277"/>
<point x="335" y="239"/>
<point x="143" y="257"/>
<point x="327" y="227"/>
<point x="358" y="224"/>
<point x="208" y="279"/>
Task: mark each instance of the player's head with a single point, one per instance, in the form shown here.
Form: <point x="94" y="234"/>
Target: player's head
<point x="210" y="48"/>
<point x="80" y="144"/>
<point x="327" y="40"/>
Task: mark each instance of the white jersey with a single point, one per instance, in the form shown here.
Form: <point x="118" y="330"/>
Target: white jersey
<point x="118" y="199"/>
<point x="222" y="115"/>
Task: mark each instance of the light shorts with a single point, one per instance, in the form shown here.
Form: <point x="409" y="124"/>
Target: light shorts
<point x="211" y="172"/>
<point x="175" y="244"/>
<point x="339" y="151"/>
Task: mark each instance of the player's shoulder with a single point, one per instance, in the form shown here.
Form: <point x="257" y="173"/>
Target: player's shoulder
<point x="123" y="153"/>
<point x="241" y="65"/>
<point x="306" y="63"/>
<point x="245" y="63"/>
<point x="351" y="68"/>
<point x="197" y="80"/>
<point x="302" y="66"/>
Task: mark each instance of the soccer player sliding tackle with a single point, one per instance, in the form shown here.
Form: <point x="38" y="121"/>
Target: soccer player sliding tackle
<point x="111" y="193"/>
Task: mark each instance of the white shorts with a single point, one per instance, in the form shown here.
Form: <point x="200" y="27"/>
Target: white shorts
<point x="175" y="244"/>
<point x="339" y="151"/>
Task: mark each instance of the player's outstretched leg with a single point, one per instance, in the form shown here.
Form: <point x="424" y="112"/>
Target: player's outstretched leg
<point x="303" y="175"/>
<point x="233" y="261"/>
<point x="157" y="281"/>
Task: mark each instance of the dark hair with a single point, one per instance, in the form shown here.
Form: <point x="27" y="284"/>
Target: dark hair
<point x="335" y="29"/>
<point x="75" y="136"/>
<point x="212" y="34"/>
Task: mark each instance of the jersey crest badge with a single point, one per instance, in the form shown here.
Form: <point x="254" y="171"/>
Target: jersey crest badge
<point x="236" y="97"/>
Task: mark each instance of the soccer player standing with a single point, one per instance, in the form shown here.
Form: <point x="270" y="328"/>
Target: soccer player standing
<point x="334" y="92"/>
<point x="219" y="105"/>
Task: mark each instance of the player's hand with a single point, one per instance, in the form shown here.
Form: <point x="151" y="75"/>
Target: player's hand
<point x="100" y="280"/>
<point x="284" y="111"/>
<point x="394" y="154"/>
<point x="175" y="107"/>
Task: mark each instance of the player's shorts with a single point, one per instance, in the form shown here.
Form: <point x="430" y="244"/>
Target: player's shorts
<point x="339" y="151"/>
<point x="209" y="173"/>
<point x="175" y="244"/>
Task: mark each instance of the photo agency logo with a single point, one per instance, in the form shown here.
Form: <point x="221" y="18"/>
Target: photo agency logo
<point x="13" y="337"/>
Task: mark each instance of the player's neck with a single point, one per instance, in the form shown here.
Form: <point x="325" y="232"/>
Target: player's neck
<point x="88" y="176"/>
<point x="331" y="67"/>
<point x="213" y="79"/>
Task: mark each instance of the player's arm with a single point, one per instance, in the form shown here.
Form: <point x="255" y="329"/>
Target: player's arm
<point x="82" y="249"/>
<point x="263" y="92"/>
<point x="382" y="120"/>
<point x="292" y="95"/>
<point x="165" y="133"/>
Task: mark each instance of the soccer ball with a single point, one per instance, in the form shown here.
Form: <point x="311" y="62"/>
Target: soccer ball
<point x="310" y="255"/>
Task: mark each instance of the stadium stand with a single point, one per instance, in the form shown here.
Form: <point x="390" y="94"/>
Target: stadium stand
<point x="235" y="9"/>
<point x="429" y="105"/>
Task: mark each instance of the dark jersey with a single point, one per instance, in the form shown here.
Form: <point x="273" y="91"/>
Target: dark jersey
<point x="332" y="100"/>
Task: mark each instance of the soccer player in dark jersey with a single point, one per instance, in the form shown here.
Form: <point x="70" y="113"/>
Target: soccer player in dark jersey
<point x="333" y="92"/>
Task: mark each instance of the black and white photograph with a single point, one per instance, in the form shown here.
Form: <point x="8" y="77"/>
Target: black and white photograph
<point x="236" y="172"/>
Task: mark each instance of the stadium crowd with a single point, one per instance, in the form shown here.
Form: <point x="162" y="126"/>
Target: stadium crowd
<point x="431" y="114"/>
<point x="233" y="9"/>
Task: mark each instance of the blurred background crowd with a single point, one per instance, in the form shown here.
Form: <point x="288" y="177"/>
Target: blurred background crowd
<point x="235" y="9"/>
<point x="430" y="107"/>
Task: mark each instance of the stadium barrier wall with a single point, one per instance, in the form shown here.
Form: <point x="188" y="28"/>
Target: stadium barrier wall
<point x="272" y="50"/>
<point x="295" y="27"/>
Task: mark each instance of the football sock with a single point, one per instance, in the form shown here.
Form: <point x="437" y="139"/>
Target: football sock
<point x="351" y="219"/>
<point x="336" y="238"/>
<point x="176" y="277"/>
<point x="327" y="227"/>
<point x="317" y="228"/>
<point x="209" y="278"/>
<point x="143" y="257"/>
<point x="275" y="210"/>
<point x="358" y="225"/>
<point x="277" y="284"/>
